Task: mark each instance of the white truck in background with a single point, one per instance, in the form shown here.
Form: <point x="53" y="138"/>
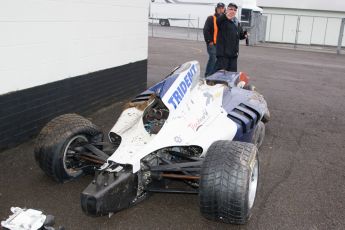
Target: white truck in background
<point x="193" y="13"/>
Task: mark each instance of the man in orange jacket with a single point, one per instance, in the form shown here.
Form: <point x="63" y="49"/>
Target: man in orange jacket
<point x="210" y="36"/>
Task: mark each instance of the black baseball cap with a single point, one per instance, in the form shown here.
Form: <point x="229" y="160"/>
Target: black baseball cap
<point x="220" y="5"/>
<point x="232" y="5"/>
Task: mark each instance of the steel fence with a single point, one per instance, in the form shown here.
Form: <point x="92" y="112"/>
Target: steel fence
<point x="191" y="29"/>
<point x="187" y="29"/>
<point x="308" y="32"/>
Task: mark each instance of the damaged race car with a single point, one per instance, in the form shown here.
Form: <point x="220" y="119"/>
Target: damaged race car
<point x="186" y="134"/>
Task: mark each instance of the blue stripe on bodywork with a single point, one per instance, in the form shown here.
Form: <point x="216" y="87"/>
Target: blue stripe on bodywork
<point x="162" y="87"/>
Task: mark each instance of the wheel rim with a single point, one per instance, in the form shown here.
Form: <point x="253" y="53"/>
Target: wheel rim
<point x="68" y="155"/>
<point x="253" y="184"/>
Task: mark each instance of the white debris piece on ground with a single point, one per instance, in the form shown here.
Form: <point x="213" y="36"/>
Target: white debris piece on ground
<point x="24" y="219"/>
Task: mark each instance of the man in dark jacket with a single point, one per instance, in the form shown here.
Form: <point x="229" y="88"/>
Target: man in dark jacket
<point x="210" y="36"/>
<point x="229" y="34"/>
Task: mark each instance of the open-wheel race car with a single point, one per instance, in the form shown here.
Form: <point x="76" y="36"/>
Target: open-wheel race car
<point x="186" y="134"/>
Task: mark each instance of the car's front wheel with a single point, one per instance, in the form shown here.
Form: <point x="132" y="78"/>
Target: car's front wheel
<point x="56" y="149"/>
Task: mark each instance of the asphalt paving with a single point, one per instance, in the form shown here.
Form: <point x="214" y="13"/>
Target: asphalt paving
<point x="302" y="160"/>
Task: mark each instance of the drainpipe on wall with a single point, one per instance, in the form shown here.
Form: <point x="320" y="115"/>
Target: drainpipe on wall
<point x="341" y="34"/>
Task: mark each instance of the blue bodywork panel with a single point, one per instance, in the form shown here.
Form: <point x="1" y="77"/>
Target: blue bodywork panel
<point x="245" y="107"/>
<point x="158" y="89"/>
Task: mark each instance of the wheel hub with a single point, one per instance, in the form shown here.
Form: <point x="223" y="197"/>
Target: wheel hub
<point x="68" y="161"/>
<point x="253" y="184"/>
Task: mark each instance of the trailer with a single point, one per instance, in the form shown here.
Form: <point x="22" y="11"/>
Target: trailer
<point x="193" y="13"/>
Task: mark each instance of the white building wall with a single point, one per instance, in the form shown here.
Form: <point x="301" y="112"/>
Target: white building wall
<point x="314" y="27"/>
<point x="48" y="40"/>
<point x="321" y="5"/>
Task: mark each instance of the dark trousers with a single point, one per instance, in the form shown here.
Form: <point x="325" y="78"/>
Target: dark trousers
<point x="225" y="63"/>
<point x="211" y="64"/>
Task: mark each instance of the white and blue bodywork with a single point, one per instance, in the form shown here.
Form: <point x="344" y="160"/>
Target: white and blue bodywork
<point x="170" y="127"/>
<point x="201" y="111"/>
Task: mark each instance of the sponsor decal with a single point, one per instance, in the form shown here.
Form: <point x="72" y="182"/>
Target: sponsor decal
<point x="177" y="96"/>
<point x="178" y="139"/>
<point x="195" y="125"/>
<point x="218" y="94"/>
<point x="209" y="97"/>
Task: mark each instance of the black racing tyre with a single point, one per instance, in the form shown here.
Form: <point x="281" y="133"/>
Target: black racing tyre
<point x="267" y="117"/>
<point x="54" y="144"/>
<point x="259" y="134"/>
<point x="229" y="180"/>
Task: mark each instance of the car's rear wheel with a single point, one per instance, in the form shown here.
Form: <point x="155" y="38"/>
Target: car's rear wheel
<point x="267" y="116"/>
<point x="229" y="182"/>
<point x="259" y="134"/>
<point x="57" y="144"/>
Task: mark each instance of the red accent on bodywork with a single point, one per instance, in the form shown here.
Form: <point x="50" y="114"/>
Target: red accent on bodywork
<point x="244" y="77"/>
